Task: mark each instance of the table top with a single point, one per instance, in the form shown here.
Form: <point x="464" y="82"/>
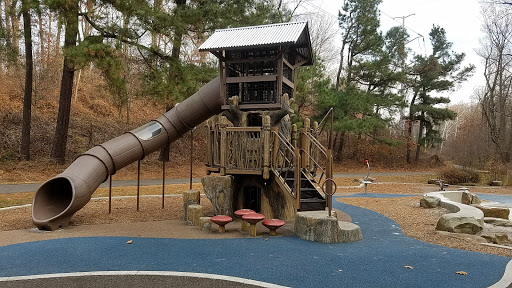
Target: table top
<point x="253" y="216"/>
<point x="243" y="212"/>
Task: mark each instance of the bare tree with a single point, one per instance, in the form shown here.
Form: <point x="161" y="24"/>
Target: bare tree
<point x="496" y="98"/>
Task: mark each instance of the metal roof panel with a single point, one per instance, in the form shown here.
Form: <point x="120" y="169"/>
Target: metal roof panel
<point x="272" y="34"/>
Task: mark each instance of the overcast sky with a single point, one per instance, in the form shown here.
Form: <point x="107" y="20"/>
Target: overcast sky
<point x="460" y="18"/>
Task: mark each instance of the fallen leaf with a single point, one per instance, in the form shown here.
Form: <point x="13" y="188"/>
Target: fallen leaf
<point x="340" y="270"/>
<point x="408" y="267"/>
<point x="462" y="273"/>
<point x="129" y="242"/>
<point x="266" y="239"/>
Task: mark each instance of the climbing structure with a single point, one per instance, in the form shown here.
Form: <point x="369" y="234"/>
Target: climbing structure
<point x="266" y="164"/>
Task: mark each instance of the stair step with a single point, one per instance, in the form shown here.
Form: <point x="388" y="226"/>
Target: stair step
<point x="312" y="204"/>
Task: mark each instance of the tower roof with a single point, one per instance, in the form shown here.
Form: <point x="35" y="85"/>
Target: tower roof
<point x="294" y="34"/>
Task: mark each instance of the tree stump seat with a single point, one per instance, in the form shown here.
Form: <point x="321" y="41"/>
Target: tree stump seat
<point x="273" y="225"/>
<point x="222" y="221"/>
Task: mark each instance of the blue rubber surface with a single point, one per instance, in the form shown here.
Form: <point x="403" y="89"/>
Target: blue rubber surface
<point x="502" y="199"/>
<point x="376" y="261"/>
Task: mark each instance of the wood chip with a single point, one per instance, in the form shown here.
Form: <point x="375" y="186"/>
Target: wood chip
<point x="462" y="273"/>
<point x="129" y="242"/>
<point x="408" y="267"/>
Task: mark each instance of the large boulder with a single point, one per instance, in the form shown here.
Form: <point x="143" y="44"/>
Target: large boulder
<point x="219" y="190"/>
<point x="496" y="238"/>
<point x="319" y="227"/>
<point x="459" y="224"/>
<point x="429" y="201"/>
<point x="498" y="222"/>
<point x="494" y="212"/>
<point x="468" y="198"/>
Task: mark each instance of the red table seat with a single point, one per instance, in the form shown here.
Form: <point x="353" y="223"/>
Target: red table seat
<point x="221" y="220"/>
<point x="253" y="219"/>
<point x="273" y="225"/>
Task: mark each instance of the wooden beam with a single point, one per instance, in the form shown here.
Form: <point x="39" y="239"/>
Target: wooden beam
<point x="255" y="106"/>
<point x="246" y="79"/>
<point x="289" y="83"/>
<point x="243" y="129"/>
<point x="248" y="60"/>
<point x="239" y="171"/>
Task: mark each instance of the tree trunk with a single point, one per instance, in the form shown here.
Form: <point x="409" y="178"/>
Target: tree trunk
<point x="340" y="68"/>
<point x="15" y="23"/>
<point x="41" y="37"/>
<point x="27" y="98"/>
<point x="420" y="135"/>
<point x="66" y="88"/>
<point x="8" y="37"/>
<point x="59" y="32"/>
<point x="178" y="34"/>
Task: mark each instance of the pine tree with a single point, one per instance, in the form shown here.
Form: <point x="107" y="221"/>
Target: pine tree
<point x="438" y="72"/>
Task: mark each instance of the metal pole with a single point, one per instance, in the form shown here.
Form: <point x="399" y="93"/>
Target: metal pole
<point x="138" y="184"/>
<point x="191" y="154"/>
<point x="163" y="183"/>
<point x="110" y="195"/>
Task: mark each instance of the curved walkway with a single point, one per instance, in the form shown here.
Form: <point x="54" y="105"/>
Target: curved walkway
<point x="376" y="261"/>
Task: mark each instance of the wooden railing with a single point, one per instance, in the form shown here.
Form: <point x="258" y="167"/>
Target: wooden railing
<point x="262" y="150"/>
<point x="242" y="150"/>
<point x="317" y="161"/>
<point x="286" y="163"/>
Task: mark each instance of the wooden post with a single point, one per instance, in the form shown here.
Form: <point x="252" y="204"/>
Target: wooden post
<point x="314" y="153"/>
<point x="266" y="147"/>
<point x="138" y="184"/>
<point x="110" y="195"/>
<point x="275" y="148"/>
<point x="297" y="175"/>
<point x="294" y="135"/>
<point x="222" y="78"/>
<point x="304" y="143"/>
<point x="223" y="148"/>
<point x="328" y="173"/>
<point x="279" y="76"/>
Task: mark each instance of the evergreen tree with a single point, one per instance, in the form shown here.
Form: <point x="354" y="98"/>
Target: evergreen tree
<point x="438" y="72"/>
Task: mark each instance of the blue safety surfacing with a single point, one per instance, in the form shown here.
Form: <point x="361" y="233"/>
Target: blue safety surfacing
<point x="376" y="261"/>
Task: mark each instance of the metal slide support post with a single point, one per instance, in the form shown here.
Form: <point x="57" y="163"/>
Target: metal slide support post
<point x="191" y="154"/>
<point x="110" y="195"/>
<point x="163" y="184"/>
<point x="138" y="184"/>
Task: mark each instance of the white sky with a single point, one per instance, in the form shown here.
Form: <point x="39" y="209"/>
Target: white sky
<point x="460" y="18"/>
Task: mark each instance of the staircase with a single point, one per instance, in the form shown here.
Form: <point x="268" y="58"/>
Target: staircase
<point x="310" y="198"/>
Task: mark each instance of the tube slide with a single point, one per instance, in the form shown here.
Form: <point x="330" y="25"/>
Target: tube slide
<point x="60" y="197"/>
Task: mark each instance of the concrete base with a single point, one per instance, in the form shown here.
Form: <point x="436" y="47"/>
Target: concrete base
<point x="317" y="226"/>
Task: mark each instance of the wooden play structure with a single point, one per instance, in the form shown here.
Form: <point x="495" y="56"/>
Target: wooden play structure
<point x="276" y="168"/>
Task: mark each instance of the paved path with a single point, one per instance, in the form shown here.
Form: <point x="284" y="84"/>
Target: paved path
<point x="32" y="187"/>
<point x="376" y="261"/>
